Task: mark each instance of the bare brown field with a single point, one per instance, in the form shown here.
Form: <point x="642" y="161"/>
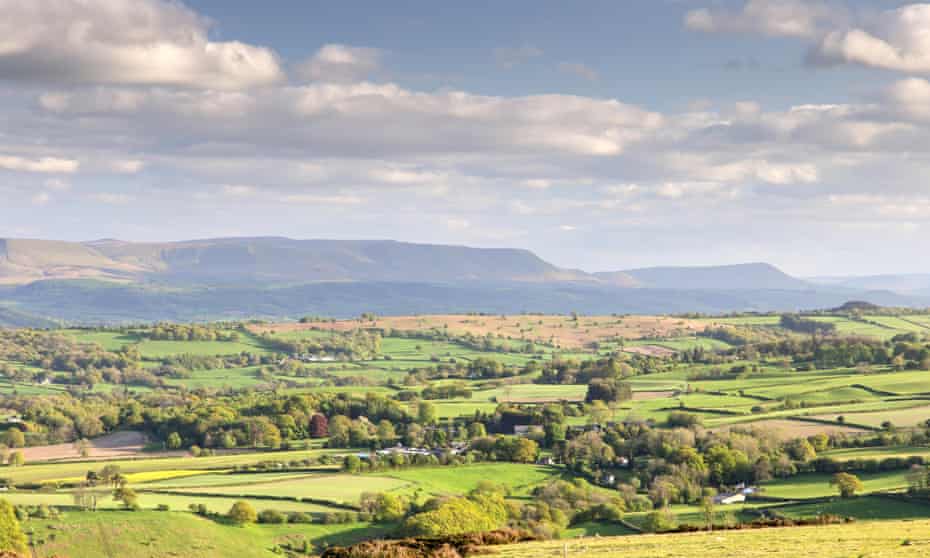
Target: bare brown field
<point x="789" y="429"/>
<point x="560" y="331"/>
<point x="112" y="446"/>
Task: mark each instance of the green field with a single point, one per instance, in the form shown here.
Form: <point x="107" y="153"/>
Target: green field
<point x="163" y="534"/>
<point x="341" y="489"/>
<point x="815" y="485"/>
<point x="519" y="479"/>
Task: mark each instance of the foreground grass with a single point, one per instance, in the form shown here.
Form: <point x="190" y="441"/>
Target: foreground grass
<point x="169" y="534"/>
<point x="867" y="539"/>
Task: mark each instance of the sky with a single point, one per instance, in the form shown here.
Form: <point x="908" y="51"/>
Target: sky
<point x="601" y="134"/>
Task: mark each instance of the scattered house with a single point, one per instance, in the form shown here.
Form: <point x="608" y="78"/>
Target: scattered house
<point x="547" y="460"/>
<point x="623" y="461"/>
<point x="728" y="498"/>
<point x="456" y="448"/>
<point x="607" y="479"/>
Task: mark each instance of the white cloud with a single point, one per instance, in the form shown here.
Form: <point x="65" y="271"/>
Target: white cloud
<point x="41" y="198"/>
<point x="314" y="199"/>
<point x="43" y="164"/>
<point x="895" y="40"/>
<point x="340" y="63"/>
<point x="537" y="183"/>
<point x="579" y="70"/>
<point x="127" y="166"/>
<point x="374" y="119"/>
<point x="777" y="18"/>
<point x="401" y="176"/>
<point x="148" y="42"/>
<point x="238" y="190"/>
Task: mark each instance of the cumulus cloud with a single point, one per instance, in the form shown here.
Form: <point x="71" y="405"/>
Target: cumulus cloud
<point x="148" y="42"/>
<point x="368" y="118"/>
<point x="895" y="40"/>
<point x="43" y="164"/>
<point x="340" y="63"/>
<point x="776" y="18"/>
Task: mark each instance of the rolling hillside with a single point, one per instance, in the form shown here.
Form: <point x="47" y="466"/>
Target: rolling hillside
<point x="281" y="260"/>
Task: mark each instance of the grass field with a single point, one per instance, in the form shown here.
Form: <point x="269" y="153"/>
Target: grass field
<point x="815" y="485"/>
<point x="170" y="534"/>
<point x="340" y="489"/>
<point x="861" y="539"/>
<point x="898" y="417"/>
<point x="520" y="479"/>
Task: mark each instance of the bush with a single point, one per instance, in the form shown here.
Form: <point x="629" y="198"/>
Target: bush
<point x="299" y="517"/>
<point x="271" y="516"/>
<point x="241" y="513"/>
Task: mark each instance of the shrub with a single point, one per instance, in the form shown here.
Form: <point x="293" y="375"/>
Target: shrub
<point x="241" y="513"/>
<point x="271" y="516"/>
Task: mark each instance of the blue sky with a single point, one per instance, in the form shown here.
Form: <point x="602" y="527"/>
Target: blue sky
<point x="601" y="134"/>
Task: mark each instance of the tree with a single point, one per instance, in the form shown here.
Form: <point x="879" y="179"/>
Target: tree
<point x="11" y="534"/>
<point x="608" y="390"/>
<point x="426" y="413"/>
<point x="17" y="459"/>
<point x="127" y="496"/>
<point x="241" y="513"/>
<point x="709" y="509"/>
<point x="82" y="446"/>
<point x="14" y="438"/>
<point x="339" y="431"/>
<point x="477" y="430"/>
<point x="386" y="434"/>
<point x="847" y="483"/>
<point x="174" y="440"/>
<point x="452" y="517"/>
<point x="319" y="426"/>
<point x="660" y="520"/>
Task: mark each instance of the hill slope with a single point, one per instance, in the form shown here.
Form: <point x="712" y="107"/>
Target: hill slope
<point x="740" y="276"/>
<point x="281" y="260"/>
<point x="879" y="538"/>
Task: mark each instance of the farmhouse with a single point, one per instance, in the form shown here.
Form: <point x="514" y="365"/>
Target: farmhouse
<point x="729" y="498"/>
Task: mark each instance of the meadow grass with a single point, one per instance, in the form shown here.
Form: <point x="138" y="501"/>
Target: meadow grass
<point x="865" y="539"/>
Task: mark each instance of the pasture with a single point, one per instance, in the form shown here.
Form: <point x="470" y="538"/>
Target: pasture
<point x="553" y="331"/>
<point x="867" y="539"/>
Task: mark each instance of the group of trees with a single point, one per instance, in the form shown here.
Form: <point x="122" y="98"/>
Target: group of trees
<point x="352" y="345"/>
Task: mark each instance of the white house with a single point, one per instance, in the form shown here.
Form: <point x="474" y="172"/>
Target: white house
<point x="731" y="498"/>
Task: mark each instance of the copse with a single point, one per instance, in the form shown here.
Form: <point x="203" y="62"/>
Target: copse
<point x="608" y="391"/>
<point x="242" y="513"/>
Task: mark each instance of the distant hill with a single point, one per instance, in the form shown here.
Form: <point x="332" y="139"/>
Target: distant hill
<point x="911" y="283"/>
<point x="279" y="260"/>
<point x="113" y="281"/>
<point x="722" y="277"/>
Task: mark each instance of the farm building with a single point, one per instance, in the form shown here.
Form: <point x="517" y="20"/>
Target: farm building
<point x="729" y="498"/>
